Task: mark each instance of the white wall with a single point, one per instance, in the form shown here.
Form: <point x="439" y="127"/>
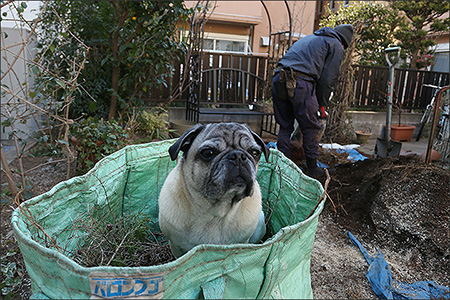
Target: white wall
<point x="18" y="80"/>
<point x="11" y="19"/>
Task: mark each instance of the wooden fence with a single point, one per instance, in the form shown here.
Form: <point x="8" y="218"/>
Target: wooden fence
<point x="231" y="78"/>
<point x="370" y="88"/>
<point x="241" y="79"/>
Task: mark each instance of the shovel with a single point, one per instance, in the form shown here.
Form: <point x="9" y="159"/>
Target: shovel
<point x="385" y="146"/>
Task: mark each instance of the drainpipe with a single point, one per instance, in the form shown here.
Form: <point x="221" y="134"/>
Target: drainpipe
<point x="251" y="38"/>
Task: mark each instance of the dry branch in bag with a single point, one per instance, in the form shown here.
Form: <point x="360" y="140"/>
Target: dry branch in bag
<point x="127" y="241"/>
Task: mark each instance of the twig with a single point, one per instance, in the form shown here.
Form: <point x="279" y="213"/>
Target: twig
<point x="324" y="195"/>
<point x="118" y="247"/>
<point x="16" y="143"/>
<point x="47" y="163"/>
<point x="62" y="22"/>
<point x="23" y="46"/>
<point x="37" y="107"/>
<point x="6" y="3"/>
<point x="24" y="211"/>
<point x="9" y="177"/>
<point x="332" y="202"/>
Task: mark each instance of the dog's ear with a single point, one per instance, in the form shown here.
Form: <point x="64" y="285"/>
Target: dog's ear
<point x="185" y="141"/>
<point x="260" y="142"/>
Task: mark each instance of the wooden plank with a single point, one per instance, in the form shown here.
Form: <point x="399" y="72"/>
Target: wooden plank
<point x="379" y="87"/>
<point x="413" y="84"/>
<point x="415" y="100"/>
<point x="359" y="81"/>
<point x="399" y="90"/>
<point x="261" y="85"/>
<point x="366" y="73"/>
<point x="205" y="78"/>
<point x="372" y="85"/>
<point x="252" y="83"/>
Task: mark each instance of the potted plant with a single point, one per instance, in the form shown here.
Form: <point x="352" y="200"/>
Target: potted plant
<point x="264" y="106"/>
<point x="362" y="136"/>
<point x="401" y="132"/>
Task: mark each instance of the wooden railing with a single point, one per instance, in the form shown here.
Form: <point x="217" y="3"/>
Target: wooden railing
<point x="370" y="88"/>
<point x="232" y="79"/>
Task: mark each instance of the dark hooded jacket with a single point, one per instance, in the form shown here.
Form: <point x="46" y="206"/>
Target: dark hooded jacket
<point x="319" y="55"/>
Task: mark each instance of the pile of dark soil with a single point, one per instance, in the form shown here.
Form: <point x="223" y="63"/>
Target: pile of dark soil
<point x="399" y="206"/>
<point x="399" y="199"/>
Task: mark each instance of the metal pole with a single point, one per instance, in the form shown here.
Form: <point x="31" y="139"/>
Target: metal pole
<point x="391" y="81"/>
<point x="290" y="24"/>
<point x="389" y="103"/>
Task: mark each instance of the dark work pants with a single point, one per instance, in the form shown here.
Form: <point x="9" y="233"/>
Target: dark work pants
<point x="303" y="108"/>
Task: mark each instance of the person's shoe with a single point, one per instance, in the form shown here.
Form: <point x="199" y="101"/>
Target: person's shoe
<point x="312" y="170"/>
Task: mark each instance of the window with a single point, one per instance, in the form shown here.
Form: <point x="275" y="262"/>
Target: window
<point x="441" y="62"/>
<point x="441" y="57"/>
<point x="221" y="42"/>
<point x="332" y="5"/>
<point x="225" y="46"/>
<point x="346" y="3"/>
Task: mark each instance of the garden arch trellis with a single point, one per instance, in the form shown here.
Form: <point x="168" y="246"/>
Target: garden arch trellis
<point x="230" y="79"/>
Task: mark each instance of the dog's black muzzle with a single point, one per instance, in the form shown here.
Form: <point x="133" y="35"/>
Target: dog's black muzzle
<point x="240" y="171"/>
<point x="232" y="178"/>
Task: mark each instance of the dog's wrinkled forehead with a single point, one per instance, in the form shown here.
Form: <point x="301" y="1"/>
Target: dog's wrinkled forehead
<point x="229" y="135"/>
<point x="219" y="136"/>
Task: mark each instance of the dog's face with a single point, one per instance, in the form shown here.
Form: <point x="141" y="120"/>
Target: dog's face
<point x="220" y="160"/>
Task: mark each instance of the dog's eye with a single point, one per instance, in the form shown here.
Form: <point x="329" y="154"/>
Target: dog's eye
<point x="207" y="153"/>
<point x="255" y="152"/>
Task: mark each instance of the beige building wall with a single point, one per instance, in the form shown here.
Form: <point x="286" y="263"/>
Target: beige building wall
<point x="302" y="19"/>
<point x="252" y="19"/>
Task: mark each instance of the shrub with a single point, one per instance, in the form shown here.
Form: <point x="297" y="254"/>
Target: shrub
<point x="154" y="123"/>
<point x="94" y="139"/>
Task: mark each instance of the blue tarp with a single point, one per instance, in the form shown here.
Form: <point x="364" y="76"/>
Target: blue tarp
<point x="353" y="155"/>
<point x="385" y="287"/>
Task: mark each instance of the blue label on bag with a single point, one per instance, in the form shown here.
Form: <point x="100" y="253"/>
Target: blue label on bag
<point x="111" y="285"/>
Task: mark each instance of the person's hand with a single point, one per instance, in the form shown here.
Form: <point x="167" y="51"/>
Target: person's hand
<point x="322" y="113"/>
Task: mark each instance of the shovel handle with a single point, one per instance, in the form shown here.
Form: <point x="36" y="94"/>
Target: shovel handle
<point x="392" y="50"/>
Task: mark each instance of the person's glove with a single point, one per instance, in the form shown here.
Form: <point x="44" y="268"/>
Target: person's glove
<point x="322" y="113"/>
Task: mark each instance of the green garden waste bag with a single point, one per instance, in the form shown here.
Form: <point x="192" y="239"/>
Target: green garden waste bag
<point x="130" y="180"/>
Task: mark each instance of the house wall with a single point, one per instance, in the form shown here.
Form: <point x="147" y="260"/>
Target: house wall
<point x="251" y="19"/>
<point x="18" y="80"/>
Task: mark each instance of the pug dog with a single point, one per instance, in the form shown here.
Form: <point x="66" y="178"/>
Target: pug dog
<point x="212" y="196"/>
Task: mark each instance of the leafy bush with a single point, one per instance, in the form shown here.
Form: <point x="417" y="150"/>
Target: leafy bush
<point x="154" y="123"/>
<point x="12" y="275"/>
<point x="94" y="139"/>
<point x="123" y="62"/>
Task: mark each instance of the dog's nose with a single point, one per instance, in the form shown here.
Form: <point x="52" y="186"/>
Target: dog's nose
<point x="238" y="157"/>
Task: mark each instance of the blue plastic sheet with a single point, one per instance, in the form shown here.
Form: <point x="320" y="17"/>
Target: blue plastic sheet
<point x="353" y="154"/>
<point x="272" y="145"/>
<point x="385" y="287"/>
